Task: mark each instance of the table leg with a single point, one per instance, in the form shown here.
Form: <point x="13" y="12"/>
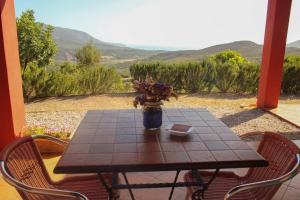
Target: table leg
<point x="129" y="188"/>
<point x="199" y="194"/>
<point x="174" y="183"/>
<point x="107" y="187"/>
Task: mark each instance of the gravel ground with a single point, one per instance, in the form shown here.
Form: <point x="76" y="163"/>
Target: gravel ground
<point x="236" y="111"/>
<point x="64" y="120"/>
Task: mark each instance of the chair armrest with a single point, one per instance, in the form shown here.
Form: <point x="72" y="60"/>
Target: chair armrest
<point x="51" y="138"/>
<point x="266" y="183"/>
<point x="41" y="191"/>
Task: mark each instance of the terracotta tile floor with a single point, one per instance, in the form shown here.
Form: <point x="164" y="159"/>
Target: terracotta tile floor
<point x="288" y="191"/>
<point x="289" y="112"/>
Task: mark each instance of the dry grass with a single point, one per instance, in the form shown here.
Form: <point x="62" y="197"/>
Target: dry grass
<point x="117" y="101"/>
<point x="237" y="111"/>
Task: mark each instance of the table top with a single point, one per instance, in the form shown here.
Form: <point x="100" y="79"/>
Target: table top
<point x="115" y="141"/>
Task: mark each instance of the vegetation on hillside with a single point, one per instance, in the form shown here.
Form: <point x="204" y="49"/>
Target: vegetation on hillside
<point x="68" y="80"/>
<point x="37" y="48"/>
<point x="291" y="75"/>
<point x="226" y="71"/>
<point x="88" y="55"/>
<point x="250" y="50"/>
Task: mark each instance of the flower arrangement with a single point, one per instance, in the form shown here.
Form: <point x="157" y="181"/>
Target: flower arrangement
<point x="153" y="93"/>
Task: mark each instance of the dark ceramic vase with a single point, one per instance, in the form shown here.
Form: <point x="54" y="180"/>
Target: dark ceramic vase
<point x="152" y="118"/>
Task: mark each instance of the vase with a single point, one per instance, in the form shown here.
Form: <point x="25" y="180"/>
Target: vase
<point x="152" y="116"/>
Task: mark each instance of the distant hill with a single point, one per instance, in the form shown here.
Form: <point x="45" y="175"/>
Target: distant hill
<point x="248" y="49"/>
<point x="68" y="40"/>
<point x="295" y="44"/>
<point x="120" y="56"/>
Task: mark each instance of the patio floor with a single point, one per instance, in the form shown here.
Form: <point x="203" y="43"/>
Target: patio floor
<point x="288" y="112"/>
<point x="288" y="191"/>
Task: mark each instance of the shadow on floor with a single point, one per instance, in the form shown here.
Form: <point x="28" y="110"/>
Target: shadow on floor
<point x="242" y="117"/>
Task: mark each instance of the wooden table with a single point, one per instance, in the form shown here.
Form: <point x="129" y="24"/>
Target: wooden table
<point x="115" y="141"/>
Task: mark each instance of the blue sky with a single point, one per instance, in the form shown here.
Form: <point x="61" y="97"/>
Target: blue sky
<point x="192" y="24"/>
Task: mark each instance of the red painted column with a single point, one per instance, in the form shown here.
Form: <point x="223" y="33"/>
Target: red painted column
<point x="12" y="114"/>
<point x="273" y="53"/>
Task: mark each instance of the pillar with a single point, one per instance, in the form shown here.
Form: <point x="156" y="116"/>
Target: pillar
<point x="273" y="53"/>
<point x="12" y="115"/>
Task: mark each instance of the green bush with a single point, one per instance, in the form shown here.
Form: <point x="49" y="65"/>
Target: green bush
<point x="68" y="79"/>
<point x="247" y="79"/>
<point x="210" y="78"/>
<point x="35" y="81"/>
<point x="291" y="75"/>
<point x="140" y="71"/>
<point x="188" y="77"/>
<point x="63" y="84"/>
<point x="225" y="71"/>
<point x="226" y="75"/>
<point x="98" y="80"/>
<point x="195" y="74"/>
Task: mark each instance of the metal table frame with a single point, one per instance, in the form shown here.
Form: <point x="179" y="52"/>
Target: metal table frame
<point x="199" y="194"/>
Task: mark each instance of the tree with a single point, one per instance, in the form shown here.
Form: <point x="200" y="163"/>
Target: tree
<point x="88" y="55"/>
<point x="35" y="41"/>
<point x="228" y="64"/>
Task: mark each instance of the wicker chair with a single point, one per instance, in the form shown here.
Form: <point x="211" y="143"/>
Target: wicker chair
<point x="259" y="183"/>
<point x="22" y="167"/>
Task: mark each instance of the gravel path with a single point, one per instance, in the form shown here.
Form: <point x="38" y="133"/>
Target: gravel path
<point x="66" y="114"/>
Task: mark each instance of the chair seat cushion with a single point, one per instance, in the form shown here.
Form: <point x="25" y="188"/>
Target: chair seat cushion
<point x="223" y="182"/>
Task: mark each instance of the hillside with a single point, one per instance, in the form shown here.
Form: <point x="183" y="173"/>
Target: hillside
<point x="295" y="44"/>
<point x="121" y="56"/>
<point x="68" y="40"/>
<point x="250" y="50"/>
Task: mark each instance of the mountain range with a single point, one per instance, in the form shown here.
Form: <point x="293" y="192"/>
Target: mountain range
<point x="294" y="44"/>
<point x="68" y="40"/>
<point x="248" y="49"/>
<point x="121" y="56"/>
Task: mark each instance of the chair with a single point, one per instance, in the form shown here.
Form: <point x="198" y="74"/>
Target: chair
<point x="22" y="167"/>
<point x="259" y="183"/>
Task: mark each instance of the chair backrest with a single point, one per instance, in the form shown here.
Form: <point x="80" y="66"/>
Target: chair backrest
<point x="280" y="152"/>
<point x="24" y="163"/>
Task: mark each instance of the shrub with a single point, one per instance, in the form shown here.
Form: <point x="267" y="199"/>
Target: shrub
<point x="68" y="80"/>
<point x="88" y="55"/>
<point x="35" y="81"/>
<point x="227" y="71"/>
<point x="182" y="76"/>
<point x="98" y="80"/>
<point x="62" y="84"/>
<point x="229" y="56"/>
<point x="177" y="71"/>
<point x="210" y="77"/>
<point x="140" y="71"/>
<point x="231" y="72"/>
<point x="291" y="75"/>
<point x="195" y="74"/>
<point x="248" y="77"/>
<point x="226" y="75"/>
